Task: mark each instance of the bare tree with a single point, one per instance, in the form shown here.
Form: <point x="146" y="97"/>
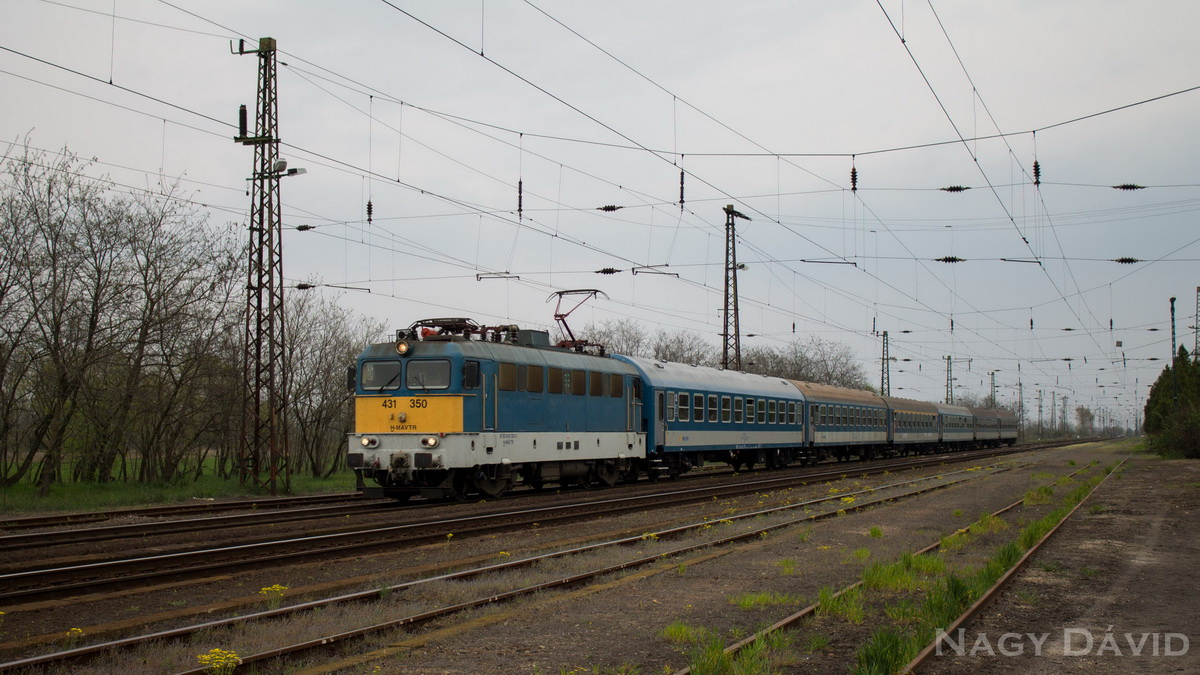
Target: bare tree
<point x="684" y="347"/>
<point x="323" y="339"/>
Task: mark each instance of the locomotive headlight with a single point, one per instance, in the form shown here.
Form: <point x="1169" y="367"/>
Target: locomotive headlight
<point x="430" y="441"/>
<point x="402" y="347"/>
<point x="369" y="442"/>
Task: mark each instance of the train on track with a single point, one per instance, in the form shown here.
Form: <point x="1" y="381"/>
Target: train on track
<point x="452" y="408"/>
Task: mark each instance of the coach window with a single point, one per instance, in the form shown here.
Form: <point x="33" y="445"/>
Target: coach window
<point x="739" y="407"/>
<point x="616" y="385"/>
<point x="426" y="375"/>
<point x="533" y="379"/>
<point x="698" y="407"/>
<point x="725" y="414"/>
<point x="578" y="382"/>
<point x="685" y="406"/>
<point x="712" y="407"/>
<point x="381" y="375"/>
<point x="750" y="403"/>
<point x="555" y="383"/>
<point x="670" y="406"/>
<point x="770" y="412"/>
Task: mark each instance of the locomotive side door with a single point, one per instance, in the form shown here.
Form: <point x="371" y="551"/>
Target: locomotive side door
<point x="487" y="393"/>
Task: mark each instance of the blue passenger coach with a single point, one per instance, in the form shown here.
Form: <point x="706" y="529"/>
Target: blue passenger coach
<point x="843" y="422"/>
<point x="695" y="414"/>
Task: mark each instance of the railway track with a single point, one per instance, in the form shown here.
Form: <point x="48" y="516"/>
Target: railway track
<point x="893" y="490"/>
<point x="24" y="584"/>
<point x="277" y="511"/>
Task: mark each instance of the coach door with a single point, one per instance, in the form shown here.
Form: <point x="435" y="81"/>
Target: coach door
<point x="660" y="420"/>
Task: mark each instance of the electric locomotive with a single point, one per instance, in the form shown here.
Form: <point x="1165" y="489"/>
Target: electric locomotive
<point x="451" y="407"/>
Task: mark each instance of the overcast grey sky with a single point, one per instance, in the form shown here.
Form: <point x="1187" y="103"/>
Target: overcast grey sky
<point x="434" y="111"/>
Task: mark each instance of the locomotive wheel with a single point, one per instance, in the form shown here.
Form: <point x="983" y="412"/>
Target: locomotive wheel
<point x="460" y="486"/>
<point x="493" y="487"/>
<point x="607" y="474"/>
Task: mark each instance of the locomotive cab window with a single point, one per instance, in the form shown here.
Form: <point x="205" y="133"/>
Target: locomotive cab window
<point x="381" y="375"/>
<point x="470" y="374"/>
<point x="426" y="375"/>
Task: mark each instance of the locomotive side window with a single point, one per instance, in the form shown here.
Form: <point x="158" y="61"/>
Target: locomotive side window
<point x="533" y="379"/>
<point x="685" y="406"/>
<point x="556" y="380"/>
<point x="712" y="407"/>
<point x="381" y="375"/>
<point x="596" y="383"/>
<point x="507" y="377"/>
<point x="578" y="382"/>
<point x="431" y="374"/>
<point x="616" y="386"/>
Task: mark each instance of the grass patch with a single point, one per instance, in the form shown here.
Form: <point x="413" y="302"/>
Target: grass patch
<point x="680" y="632"/>
<point x="750" y="601"/>
<point x="1041" y="495"/>
<point x="816" y="642"/>
<point x="848" y="605"/>
<point x="886" y="651"/>
<point x="787" y="566"/>
<point x="709" y="658"/>
<point x="91" y="496"/>
<point x="875" y="532"/>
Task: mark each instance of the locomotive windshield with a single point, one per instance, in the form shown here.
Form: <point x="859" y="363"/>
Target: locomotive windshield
<point x="434" y="374"/>
<point x="381" y="375"/>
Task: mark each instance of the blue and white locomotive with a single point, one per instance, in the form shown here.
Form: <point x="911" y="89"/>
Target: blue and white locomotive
<point x="452" y="408"/>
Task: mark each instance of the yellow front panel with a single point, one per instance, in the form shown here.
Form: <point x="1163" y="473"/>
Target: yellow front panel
<point x="408" y="414"/>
